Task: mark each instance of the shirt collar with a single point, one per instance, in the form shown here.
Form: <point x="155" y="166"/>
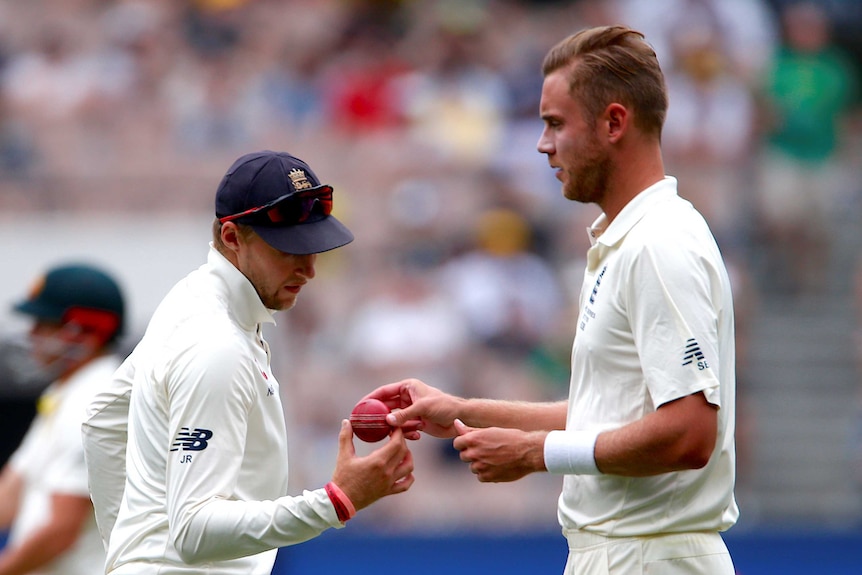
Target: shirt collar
<point x="241" y="296"/>
<point x="602" y="233"/>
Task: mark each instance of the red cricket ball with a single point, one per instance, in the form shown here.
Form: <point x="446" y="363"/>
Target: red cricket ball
<point x="368" y="420"/>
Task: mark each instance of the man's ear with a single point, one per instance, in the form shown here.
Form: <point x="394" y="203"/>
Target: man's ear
<point x="615" y="120"/>
<point x="230" y="236"/>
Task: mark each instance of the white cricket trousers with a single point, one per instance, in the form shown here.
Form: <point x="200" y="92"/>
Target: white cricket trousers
<point x="702" y="553"/>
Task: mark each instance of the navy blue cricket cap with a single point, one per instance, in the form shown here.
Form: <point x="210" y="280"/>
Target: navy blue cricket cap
<point x="283" y="201"/>
<point x="77" y="293"/>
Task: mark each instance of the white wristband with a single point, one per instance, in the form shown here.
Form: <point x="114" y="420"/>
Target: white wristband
<point x="571" y="452"/>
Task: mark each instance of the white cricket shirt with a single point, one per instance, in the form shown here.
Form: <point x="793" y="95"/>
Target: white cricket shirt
<point x="50" y="460"/>
<point x="206" y="460"/>
<point x="655" y="324"/>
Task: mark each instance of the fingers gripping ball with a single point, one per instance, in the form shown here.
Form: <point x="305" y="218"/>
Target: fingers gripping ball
<point x="368" y="420"/>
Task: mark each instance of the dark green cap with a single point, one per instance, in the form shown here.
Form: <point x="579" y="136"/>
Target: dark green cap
<point x="77" y="293"/>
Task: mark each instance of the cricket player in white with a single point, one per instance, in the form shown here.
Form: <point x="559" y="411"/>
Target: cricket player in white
<point x="646" y="438"/>
<point x="206" y="461"/>
<point x="78" y="313"/>
<point x="49" y="464"/>
<point x="656" y="324"/>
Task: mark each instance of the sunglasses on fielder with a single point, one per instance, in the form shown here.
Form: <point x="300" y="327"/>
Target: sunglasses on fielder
<point x="289" y="209"/>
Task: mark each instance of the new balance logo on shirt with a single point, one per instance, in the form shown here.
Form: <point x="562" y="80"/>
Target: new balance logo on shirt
<point x="192" y="440"/>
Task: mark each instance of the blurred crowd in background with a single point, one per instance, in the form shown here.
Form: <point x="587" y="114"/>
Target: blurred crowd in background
<point x="423" y="114"/>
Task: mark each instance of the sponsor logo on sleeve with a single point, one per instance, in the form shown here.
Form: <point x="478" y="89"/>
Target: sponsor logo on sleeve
<point x="694" y="355"/>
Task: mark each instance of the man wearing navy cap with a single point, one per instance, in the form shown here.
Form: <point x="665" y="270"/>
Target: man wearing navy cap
<point x="207" y="481"/>
<point x="78" y="315"/>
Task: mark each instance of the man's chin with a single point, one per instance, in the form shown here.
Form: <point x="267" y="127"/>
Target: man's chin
<point x="280" y="304"/>
<point x="286" y="305"/>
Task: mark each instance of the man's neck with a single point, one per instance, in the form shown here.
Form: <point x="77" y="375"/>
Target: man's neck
<point x="633" y="174"/>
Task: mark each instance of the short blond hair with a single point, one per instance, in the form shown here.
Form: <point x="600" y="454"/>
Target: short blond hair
<point x="613" y="64"/>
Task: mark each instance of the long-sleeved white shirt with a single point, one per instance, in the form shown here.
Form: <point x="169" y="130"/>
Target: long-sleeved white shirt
<point x="205" y="461"/>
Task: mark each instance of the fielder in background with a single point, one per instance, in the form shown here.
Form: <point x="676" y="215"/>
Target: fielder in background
<point x="205" y="488"/>
<point x="646" y="440"/>
<point x="78" y="315"/>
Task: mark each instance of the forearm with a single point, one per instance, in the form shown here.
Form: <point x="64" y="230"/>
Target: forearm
<point x="527" y="416"/>
<point x="8" y="509"/>
<point x="40" y="549"/>
<point x="10" y="496"/>
<point x="222" y="529"/>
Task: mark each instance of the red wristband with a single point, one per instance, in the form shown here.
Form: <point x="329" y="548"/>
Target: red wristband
<point x="343" y="505"/>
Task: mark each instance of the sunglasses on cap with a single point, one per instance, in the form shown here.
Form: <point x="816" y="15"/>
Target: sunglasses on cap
<point x="289" y="209"/>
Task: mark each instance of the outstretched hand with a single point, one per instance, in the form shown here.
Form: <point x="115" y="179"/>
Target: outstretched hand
<point x="416" y="406"/>
<point x="385" y="471"/>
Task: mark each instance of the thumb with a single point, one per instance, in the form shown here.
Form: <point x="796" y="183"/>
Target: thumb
<point x="462" y="427"/>
<point x="399" y="417"/>
<point x="345" y="439"/>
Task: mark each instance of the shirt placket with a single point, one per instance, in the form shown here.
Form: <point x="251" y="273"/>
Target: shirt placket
<point x="263" y="344"/>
